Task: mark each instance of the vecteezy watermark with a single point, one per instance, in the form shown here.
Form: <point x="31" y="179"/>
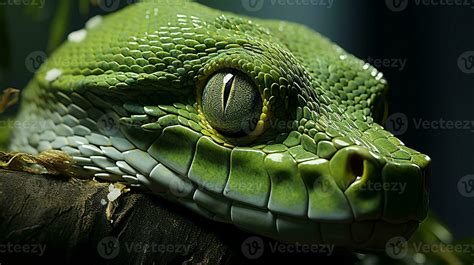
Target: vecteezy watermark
<point x="242" y="187"/>
<point x="108" y="5"/>
<point x="34" y="60"/>
<point x="326" y="186"/>
<point x="110" y="247"/>
<point x="466" y="186"/>
<point x="257" y="5"/>
<point x="254" y="247"/>
<point x="39" y="3"/>
<point x="398" y="124"/>
<point x="24" y="125"/>
<point x="248" y="124"/>
<point x="395" y="187"/>
<point x="181" y="187"/>
<point x="396" y="5"/>
<point x="253" y="5"/>
<point x="398" y="247"/>
<point x="442" y="124"/>
<point x="395" y="63"/>
<point x="400" y="5"/>
<point x="113" y="5"/>
<point x="153" y="247"/>
<point x="35" y="249"/>
<point x="466" y="62"/>
<point x="109" y="124"/>
<point x="421" y="247"/>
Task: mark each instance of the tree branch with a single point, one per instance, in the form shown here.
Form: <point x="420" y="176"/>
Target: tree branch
<point x="59" y="220"/>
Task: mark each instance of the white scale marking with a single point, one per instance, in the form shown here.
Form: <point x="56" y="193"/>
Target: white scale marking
<point x="53" y="74"/>
<point x="77" y="36"/>
<point x="93" y="22"/>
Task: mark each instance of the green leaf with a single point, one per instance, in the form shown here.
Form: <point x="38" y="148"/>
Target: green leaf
<point x="5" y="132"/>
<point x="59" y="25"/>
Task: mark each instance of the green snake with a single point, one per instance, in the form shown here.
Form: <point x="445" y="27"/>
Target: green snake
<point x="263" y="124"/>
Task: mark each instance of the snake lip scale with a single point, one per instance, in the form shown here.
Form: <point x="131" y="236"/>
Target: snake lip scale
<point x="263" y="124"/>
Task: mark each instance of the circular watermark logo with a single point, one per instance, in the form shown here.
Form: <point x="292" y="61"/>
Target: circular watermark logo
<point x="34" y="60"/>
<point x="108" y="5"/>
<point x="109" y="124"/>
<point x="180" y="188"/>
<point x="396" y="247"/>
<point x="108" y="247"/>
<point x="253" y="5"/>
<point x="249" y="124"/>
<point x="396" y="5"/>
<point x="323" y="186"/>
<point x="397" y="123"/>
<point x="466" y="62"/>
<point x="252" y="247"/>
<point x="466" y="186"/>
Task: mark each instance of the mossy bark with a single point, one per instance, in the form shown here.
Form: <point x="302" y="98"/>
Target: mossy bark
<point x="69" y="221"/>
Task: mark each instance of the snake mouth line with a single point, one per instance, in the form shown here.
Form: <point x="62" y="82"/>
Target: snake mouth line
<point x="357" y="234"/>
<point x="367" y="234"/>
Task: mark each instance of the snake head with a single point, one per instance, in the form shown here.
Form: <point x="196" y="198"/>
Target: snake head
<point x="263" y="124"/>
<point x="306" y="159"/>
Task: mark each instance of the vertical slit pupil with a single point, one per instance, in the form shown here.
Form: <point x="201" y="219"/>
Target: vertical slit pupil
<point x="228" y="82"/>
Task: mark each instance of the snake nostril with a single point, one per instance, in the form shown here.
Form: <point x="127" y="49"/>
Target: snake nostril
<point x="350" y="164"/>
<point x="356" y="164"/>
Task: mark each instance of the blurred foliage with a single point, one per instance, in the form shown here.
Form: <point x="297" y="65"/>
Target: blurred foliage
<point x="5" y="132"/>
<point x="60" y="24"/>
<point x="9" y="98"/>
<point x="432" y="244"/>
<point x="61" y="13"/>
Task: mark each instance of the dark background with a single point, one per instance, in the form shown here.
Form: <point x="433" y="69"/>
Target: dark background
<point x="430" y="39"/>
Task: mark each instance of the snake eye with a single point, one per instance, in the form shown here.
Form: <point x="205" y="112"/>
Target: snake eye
<point x="231" y="103"/>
